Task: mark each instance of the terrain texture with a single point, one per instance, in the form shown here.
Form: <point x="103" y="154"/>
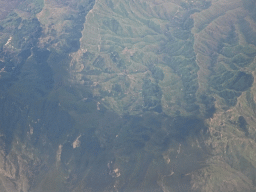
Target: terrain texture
<point x="124" y="95"/>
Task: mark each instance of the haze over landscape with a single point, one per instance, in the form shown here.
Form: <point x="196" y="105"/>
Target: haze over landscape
<point x="127" y="95"/>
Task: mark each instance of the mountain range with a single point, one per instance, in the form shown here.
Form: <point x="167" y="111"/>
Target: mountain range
<point x="111" y="95"/>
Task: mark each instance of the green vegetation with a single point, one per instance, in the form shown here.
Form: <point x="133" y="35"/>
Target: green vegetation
<point x="181" y="34"/>
<point x="227" y="79"/>
<point x="27" y="36"/>
<point x="230" y="84"/>
<point x="72" y="30"/>
<point x="248" y="32"/>
<point x="235" y="50"/>
<point x="99" y="62"/>
<point x="32" y="6"/>
<point x="10" y="23"/>
<point x="152" y="95"/>
<point x="112" y="24"/>
<point x="187" y="70"/>
<point x="243" y="125"/>
<point x="88" y="56"/>
<point x="157" y="72"/>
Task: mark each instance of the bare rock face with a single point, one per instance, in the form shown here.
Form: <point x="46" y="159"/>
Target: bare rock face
<point x="112" y="95"/>
<point x="18" y="168"/>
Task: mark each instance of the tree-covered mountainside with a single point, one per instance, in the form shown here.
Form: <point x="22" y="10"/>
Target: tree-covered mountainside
<point x="111" y="95"/>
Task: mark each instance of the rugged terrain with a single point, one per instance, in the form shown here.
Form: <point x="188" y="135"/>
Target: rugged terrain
<point x="111" y="95"/>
